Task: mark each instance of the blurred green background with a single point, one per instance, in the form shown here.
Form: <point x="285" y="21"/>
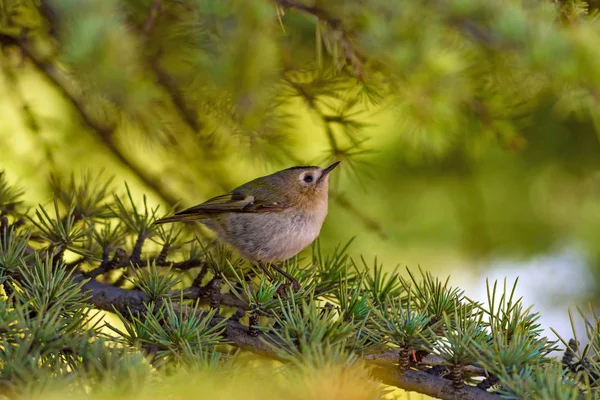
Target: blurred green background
<point x="468" y="130"/>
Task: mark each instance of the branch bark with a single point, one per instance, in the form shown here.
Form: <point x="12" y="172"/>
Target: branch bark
<point x="430" y="385"/>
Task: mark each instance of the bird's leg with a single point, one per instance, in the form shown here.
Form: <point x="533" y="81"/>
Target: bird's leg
<point x="264" y="268"/>
<point x="294" y="282"/>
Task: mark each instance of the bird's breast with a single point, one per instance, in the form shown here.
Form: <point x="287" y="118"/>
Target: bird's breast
<point x="269" y="237"/>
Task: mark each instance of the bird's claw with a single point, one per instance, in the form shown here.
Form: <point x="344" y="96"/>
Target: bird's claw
<point x="284" y="286"/>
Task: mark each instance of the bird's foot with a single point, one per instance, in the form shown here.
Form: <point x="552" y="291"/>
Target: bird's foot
<point x="284" y="287"/>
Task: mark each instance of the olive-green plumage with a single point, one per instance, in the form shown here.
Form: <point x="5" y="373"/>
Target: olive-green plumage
<point x="271" y="218"/>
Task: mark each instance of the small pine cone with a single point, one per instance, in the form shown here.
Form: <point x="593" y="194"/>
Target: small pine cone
<point x="403" y="359"/>
<point x="239" y="314"/>
<point x="214" y="293"/>
<point x="253" y="324"/>
<point x="457" y="377"/>
<point x="568" y="357"/>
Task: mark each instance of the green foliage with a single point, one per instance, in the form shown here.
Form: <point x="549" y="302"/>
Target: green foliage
<point x="329" y="268"/>
<point x="462" y="328"/>
<point x="260" y="297"/>
<point x="402" y="325"/>
<point x="13" y="246"/>
<point x="153" y="282"/>
<point x="548" y="382"/>
<point x="171" y="335"/>
<point x="45" y="286"/>
<point x="344" y="313"/>
<point x="379" y="285"/>
<point x="353" y="303"/>
<point x="88" y="195"/>
<point x="134" y="220"/>
<point x="433" y="296"/>
<point x="313" y="334"/>
<point x="482" y="102"/>
<point x="61" y="233"/>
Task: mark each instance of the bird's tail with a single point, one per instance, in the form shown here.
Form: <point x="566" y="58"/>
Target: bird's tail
<point x="179" y="218"/>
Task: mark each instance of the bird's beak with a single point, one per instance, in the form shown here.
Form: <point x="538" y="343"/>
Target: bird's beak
<point x="327" y="170"/>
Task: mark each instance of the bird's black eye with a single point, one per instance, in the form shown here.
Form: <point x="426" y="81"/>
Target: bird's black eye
<point x="308" y="178"/>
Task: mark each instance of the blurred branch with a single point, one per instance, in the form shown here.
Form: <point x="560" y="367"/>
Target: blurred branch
<point x="367" y="221"/>
<point x="163" y="78"/>
<point x="177" y="98"/>
<point x="28" y="115"/>
<point x="351" y="54"/>
<point x="327" y="121"/>
<point x="104" y="133"/>
<point x="154" y="10"/>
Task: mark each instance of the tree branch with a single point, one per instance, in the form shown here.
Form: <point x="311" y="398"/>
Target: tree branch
<point x="110" y="298"/>
<point x="430" y="385"/>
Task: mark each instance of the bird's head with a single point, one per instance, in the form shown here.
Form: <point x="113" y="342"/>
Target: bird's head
<point x="306" y="184"/>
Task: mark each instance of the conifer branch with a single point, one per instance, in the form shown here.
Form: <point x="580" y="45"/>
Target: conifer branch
<point x="111" y="298"/>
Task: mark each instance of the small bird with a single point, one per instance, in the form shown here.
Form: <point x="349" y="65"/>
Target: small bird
<point x="269" y="219"/>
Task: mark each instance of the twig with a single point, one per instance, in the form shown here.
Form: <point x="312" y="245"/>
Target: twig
<point x="108" y="265"/>
<point x="154" y="10"/>
<point x="136" y="254"/>
<point x="119" y="261"/>
<point x="194" y="293"/>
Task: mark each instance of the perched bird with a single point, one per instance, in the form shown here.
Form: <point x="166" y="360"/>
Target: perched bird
<point x="269" y="219"/>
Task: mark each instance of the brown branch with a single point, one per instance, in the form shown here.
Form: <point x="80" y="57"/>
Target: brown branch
<point x="111" y="298"/>
<point x="120" y="262"/>
<point x="154" y="10"/>
<point x="390" y="357"/>
<point x="430" y="385"/>
<point x="200" y="293"/>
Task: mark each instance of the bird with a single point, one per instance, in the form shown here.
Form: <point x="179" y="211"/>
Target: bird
<point x="269" y="219"/>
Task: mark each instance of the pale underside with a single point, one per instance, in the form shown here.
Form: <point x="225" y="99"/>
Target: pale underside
<point x="267" y="237"/>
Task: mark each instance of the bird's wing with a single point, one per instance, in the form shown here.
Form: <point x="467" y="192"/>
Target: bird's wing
<point x="235" y="201"/>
